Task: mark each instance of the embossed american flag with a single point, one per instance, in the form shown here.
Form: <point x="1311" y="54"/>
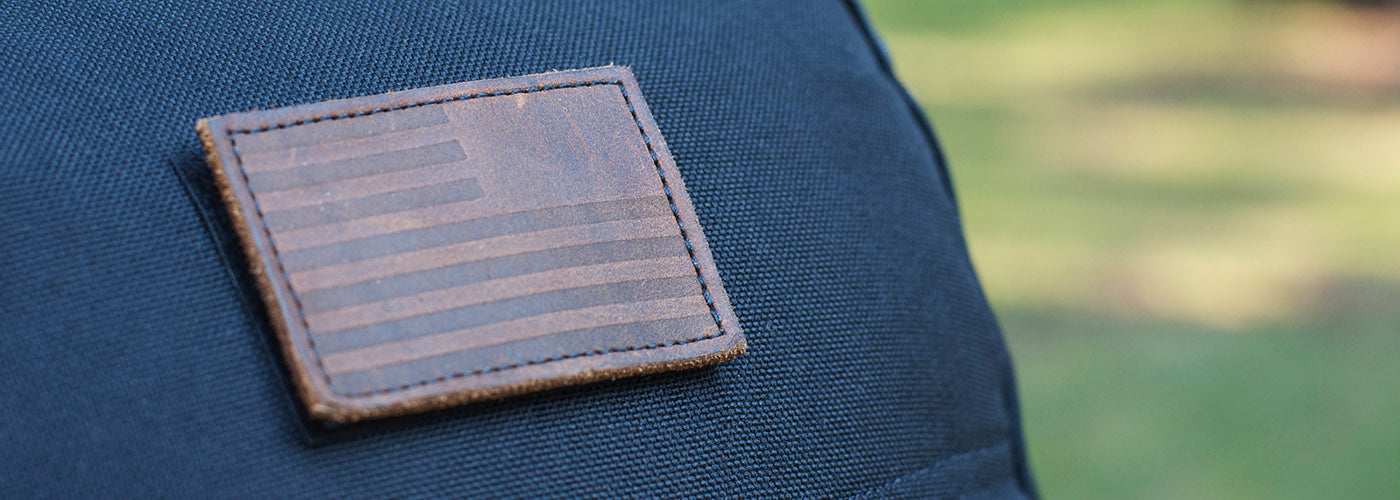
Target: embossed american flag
<point x="474" y="234"/>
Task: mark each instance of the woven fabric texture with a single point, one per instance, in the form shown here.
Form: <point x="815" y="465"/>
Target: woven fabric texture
<point x="134" y="360"/>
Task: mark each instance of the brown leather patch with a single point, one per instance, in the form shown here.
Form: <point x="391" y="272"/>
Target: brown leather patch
<point x="427" y="248"/>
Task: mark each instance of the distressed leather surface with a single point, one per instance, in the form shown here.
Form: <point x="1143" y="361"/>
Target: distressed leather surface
<point x="427" y="248"/>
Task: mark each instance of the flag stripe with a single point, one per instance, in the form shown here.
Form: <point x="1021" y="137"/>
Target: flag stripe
<point x="297" y="240"/>
<point x="477" y="250"/>
<point x="489" y="269"/>
<point x="341" y="130"/>
<point x="545" y="327"/>
<point x="505" y="310"/>
<point x="360" y="187"/>
<point x="368" y="206"/>
<point x="349" y="168"/>
<point x="393" y="238"/>
<point x="490" y="291"/>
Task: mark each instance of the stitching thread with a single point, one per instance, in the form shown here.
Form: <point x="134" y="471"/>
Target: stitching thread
<point x="656" y="162"/>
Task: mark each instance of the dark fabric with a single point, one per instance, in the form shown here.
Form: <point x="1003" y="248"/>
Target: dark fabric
<point x="133" y="363"/>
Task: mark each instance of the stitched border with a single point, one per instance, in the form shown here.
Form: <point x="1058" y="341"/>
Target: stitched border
<point x="656" y="162"/>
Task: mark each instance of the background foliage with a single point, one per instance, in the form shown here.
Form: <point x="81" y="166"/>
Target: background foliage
<point x="1187" y="215"/>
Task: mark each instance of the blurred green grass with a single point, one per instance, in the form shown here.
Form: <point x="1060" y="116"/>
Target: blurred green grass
<point x="1186" y="215"/>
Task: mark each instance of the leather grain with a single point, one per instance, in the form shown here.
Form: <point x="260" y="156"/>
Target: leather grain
<point x="433" y="247"/>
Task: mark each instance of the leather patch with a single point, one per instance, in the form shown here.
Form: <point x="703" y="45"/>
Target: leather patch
<point x="445" y="245"/>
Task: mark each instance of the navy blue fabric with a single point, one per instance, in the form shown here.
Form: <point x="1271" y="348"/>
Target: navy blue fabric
<point x="133" y="362"/>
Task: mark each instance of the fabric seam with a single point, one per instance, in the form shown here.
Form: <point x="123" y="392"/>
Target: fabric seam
<point x="656" y="162"/>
